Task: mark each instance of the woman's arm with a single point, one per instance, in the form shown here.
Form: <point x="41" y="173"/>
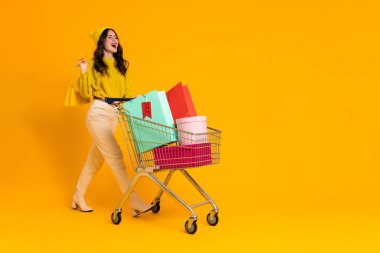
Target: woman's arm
<point x="128" y="91"/>
<point x="86" y="79"/>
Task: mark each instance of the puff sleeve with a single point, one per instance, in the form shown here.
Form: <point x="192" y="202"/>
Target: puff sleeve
<point x="87" y="81"/>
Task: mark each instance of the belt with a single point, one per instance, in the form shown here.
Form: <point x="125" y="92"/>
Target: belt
<point x="114" y="100"/>
<point x="114" y="104"/>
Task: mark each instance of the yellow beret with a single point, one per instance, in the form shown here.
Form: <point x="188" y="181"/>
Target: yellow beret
<point x="95" y="34"/>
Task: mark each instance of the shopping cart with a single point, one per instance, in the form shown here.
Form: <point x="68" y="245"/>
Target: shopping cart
<point x="168" y="155"/>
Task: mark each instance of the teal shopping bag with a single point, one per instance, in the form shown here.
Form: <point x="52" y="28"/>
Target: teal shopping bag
<point x="152" y="107"/>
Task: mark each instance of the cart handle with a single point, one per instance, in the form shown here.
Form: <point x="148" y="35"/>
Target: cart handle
<point x="111" y="100"/>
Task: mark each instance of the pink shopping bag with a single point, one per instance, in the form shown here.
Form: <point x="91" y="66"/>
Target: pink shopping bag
<point x="178" y="157"/>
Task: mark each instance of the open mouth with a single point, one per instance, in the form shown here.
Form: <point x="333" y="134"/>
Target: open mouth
<point x="114" y="46"/>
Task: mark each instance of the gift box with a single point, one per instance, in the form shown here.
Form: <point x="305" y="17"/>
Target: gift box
<point x="153" y="107"/>
<point x="197" y="126"/>
<point x="180" y="102"/>
<point x="178" y="157"/>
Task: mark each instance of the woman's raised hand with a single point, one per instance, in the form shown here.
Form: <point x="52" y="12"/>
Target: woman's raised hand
<point x="82" y="63"/>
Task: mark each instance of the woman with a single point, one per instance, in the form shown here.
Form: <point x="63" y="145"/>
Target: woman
<point x="104" y="76"/>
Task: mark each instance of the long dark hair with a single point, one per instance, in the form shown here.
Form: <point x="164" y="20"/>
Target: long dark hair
<point x="99" y="65"/>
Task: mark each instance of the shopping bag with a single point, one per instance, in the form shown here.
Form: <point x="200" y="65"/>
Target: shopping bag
<point x="152" y="107"/>
<point x="73" y="98"/>
<point x="180" y="102"/>
<point x="178" y="157"/>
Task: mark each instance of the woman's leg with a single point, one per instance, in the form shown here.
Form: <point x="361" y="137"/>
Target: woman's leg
<point x="102" y="123"/>
<point x="93" y="163"/>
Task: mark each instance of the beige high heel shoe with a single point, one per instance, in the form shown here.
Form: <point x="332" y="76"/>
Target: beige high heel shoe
<point x="137" y="205"/>
<point x="136" y="213"/>
<point x="80" y="204"/>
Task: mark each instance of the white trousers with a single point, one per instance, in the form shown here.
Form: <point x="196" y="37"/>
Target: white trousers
<point x="101" y="123"/>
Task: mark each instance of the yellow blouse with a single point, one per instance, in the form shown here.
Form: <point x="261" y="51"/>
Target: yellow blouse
<point x="93" y="84"/>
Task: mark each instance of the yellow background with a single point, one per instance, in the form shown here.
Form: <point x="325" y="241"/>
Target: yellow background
<point x="293" y="85"/>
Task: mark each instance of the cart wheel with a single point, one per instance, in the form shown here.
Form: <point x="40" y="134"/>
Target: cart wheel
<point x="156" y="207"/>
<point x="213" y="221"/>
<point x="116" y="218"/>
<point x="192" y="229"/>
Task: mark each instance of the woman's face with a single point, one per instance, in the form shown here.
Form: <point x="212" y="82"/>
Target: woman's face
<point x="111" y="43"/>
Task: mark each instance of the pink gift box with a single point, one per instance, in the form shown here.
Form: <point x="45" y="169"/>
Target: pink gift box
<point x="196" y="125"/>
<point x="178" y="157"/>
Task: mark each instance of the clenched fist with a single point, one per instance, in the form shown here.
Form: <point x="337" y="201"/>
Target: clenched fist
<point x="82" y="63"/>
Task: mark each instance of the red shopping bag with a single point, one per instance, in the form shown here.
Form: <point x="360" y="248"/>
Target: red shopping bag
<point x="180" y="102"/>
